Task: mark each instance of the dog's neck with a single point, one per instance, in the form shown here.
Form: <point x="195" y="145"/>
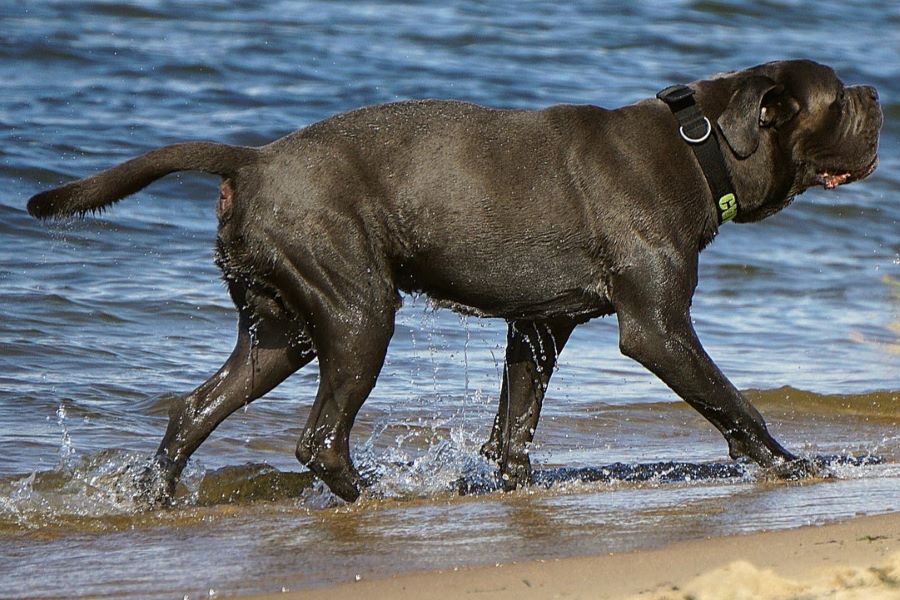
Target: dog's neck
<point x="759" y="197"/>
<point x="696" y="130"/>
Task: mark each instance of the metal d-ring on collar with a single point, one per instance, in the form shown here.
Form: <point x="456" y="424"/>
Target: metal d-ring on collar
<point x="700" y="139"/>
<point x="696" y="130"/>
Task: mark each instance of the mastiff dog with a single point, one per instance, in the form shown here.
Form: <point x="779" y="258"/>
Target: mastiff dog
<point x="544" y="218"/>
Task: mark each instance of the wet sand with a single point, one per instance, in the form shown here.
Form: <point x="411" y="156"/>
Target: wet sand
<point x="856" y="559"/>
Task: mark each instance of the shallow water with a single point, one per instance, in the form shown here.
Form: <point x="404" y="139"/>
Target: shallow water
<point x="108" y="319"/>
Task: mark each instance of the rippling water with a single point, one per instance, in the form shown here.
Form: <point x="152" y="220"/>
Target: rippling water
<point x="107" y="319"/>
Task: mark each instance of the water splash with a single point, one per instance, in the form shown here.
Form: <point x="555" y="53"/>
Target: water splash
<point x="405" y="470"/>
<point x="87" y="486"/>
<point x="464" y="320"/>
<point x="66" y="450"/>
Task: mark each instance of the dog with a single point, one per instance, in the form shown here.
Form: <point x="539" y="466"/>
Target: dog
<point x="544" y="218"/>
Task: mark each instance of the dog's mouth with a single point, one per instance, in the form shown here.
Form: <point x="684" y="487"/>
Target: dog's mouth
<point x="831" y="178"/>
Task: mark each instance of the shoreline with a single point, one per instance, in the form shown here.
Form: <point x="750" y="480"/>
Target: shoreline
<point x="857" y="558"/>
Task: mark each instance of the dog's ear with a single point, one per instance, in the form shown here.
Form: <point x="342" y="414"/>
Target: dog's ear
<point x="758" y="102"/>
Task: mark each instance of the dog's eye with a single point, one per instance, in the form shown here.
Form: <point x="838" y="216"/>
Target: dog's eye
<point x="841" y="98"/>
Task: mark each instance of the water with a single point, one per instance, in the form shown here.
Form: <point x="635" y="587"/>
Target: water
<point x="107" y="319"/>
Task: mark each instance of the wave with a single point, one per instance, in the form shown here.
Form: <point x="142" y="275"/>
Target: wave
<point x="880" y="405"/>
<point x="877" y="405"/>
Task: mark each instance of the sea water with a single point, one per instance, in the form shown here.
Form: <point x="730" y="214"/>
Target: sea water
<point x="106" y="320"/>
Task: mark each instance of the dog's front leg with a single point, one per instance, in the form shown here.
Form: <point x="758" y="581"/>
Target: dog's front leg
<point x="652" y="302"/>
<point x="532" y="349"/>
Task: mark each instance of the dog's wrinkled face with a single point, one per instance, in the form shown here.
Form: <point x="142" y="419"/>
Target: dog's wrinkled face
<point x="838" y="142"/>
<point x="799" y="121"/>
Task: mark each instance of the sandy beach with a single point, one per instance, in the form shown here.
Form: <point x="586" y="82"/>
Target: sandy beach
<point x="856" y="559"/>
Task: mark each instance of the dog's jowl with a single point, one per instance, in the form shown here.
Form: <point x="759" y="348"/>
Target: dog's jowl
<point x="543" y="218"/>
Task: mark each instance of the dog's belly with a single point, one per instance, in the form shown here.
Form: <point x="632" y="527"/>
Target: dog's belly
<point x="507" y="285"/>
<point x="570" y="306"/>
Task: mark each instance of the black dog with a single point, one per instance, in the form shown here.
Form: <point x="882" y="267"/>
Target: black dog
<point x="546" y="219"/>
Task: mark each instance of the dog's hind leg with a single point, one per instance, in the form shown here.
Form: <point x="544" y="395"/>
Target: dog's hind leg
<point x="266" y="353"/>
<point x="351" y="352"/>
<point x="532" y="349"/>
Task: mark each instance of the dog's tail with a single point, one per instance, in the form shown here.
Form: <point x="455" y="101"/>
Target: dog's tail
<point x="100" y="190"/>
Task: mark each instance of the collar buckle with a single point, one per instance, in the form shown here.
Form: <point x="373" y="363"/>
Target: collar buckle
<point x="675" y="94"/>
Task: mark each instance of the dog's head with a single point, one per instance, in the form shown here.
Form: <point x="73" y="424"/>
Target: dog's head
<point x="790" y="125"/>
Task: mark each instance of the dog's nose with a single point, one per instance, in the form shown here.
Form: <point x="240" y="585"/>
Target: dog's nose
<point x="873" y="93"/>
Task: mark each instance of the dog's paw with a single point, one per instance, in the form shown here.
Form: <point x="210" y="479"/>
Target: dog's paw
<point x="335" y="469"/>
<point x="151" y="484"/>
<point x="799" y="469"/>
<point x="491" y="450"/>
<point x="343" y="483"/>
<point x="515" y="473"/>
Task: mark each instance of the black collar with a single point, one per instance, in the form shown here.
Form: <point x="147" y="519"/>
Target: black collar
<point x="697" y="131"/>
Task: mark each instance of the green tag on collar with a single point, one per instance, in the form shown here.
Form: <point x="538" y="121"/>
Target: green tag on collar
<point x="727" y="208"/>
